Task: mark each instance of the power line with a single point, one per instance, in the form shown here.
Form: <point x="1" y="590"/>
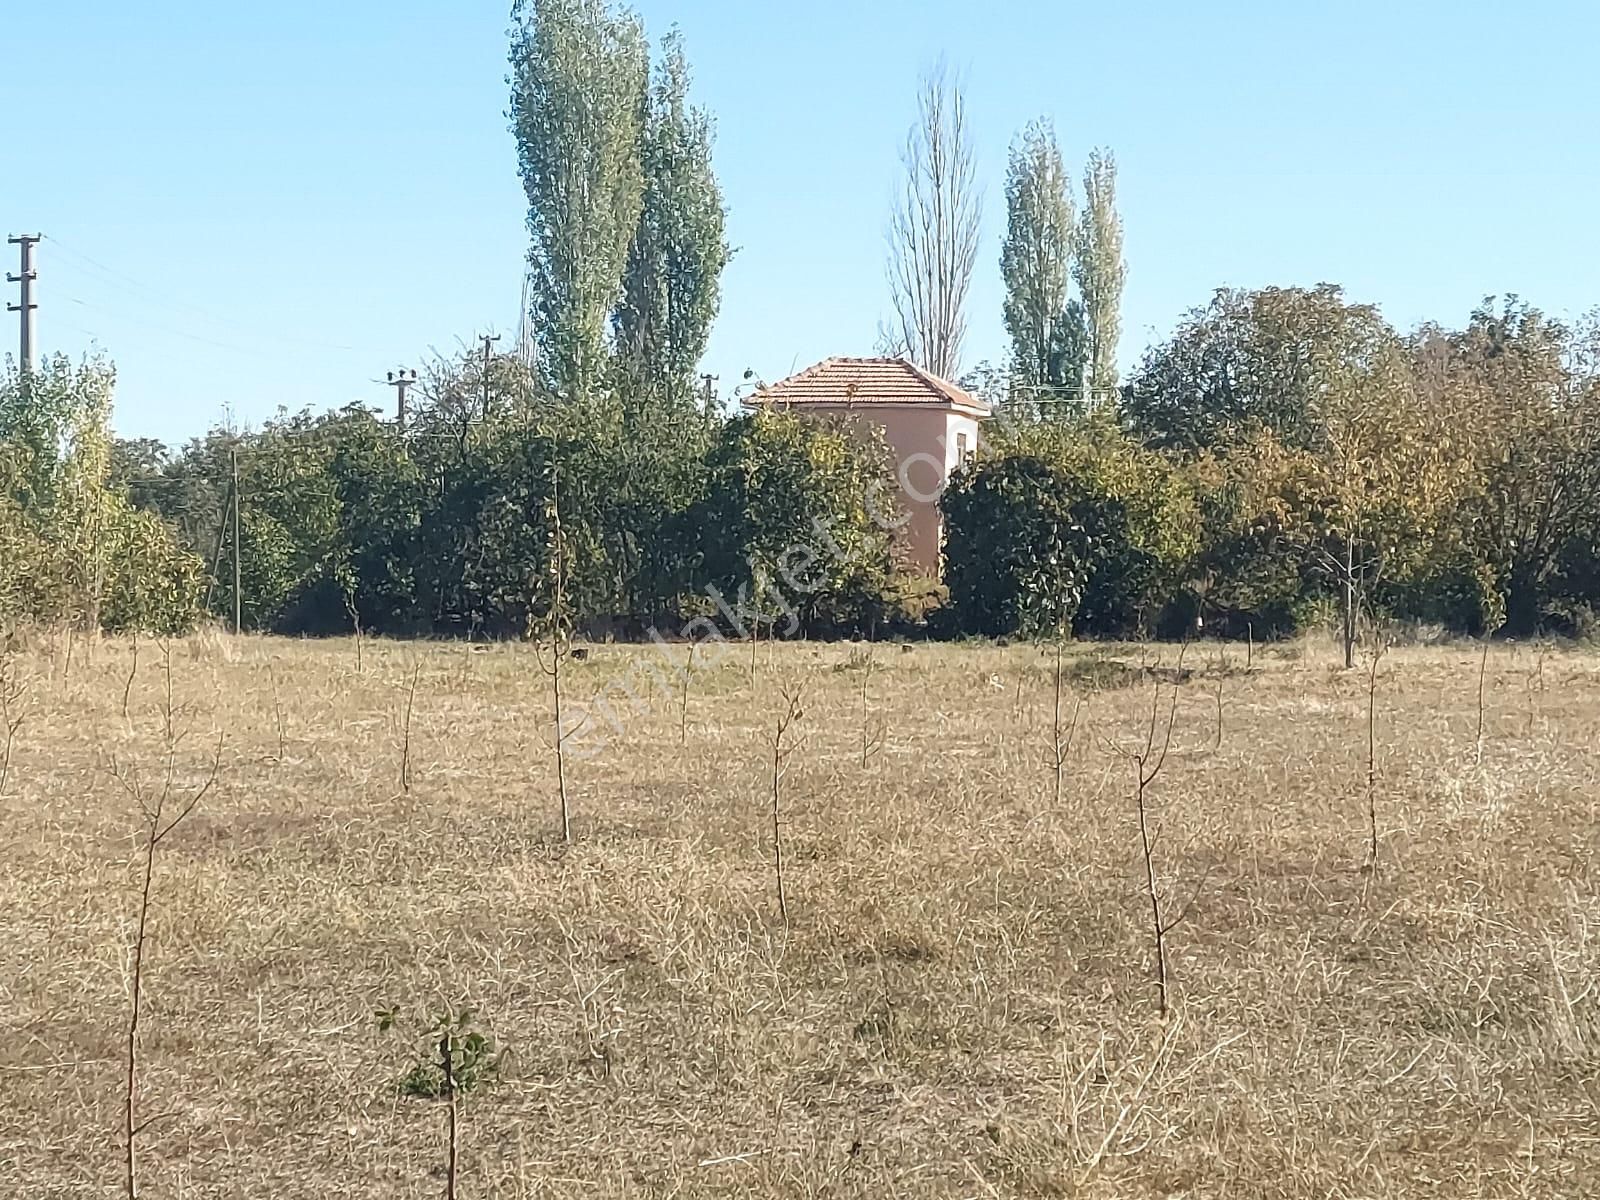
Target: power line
<point x="133" y="286"/>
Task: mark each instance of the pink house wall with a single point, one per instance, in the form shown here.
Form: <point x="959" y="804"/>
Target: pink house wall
<point x="926" y="443"/>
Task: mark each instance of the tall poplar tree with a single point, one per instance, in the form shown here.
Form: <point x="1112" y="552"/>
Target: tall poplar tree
<point x="579" y="73"/>
<point x="1100" y="272"/>
<point x="671" y="286"/>
<point x="1036" y="264"/>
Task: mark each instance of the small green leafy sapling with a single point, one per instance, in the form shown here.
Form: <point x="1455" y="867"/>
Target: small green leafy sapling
<point x="452" y="1059"/>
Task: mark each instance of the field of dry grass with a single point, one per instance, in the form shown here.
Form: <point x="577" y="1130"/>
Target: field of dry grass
<point x="962" y="1002"/>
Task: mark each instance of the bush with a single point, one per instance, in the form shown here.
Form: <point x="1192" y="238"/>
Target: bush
<point x="1066" y="526"/>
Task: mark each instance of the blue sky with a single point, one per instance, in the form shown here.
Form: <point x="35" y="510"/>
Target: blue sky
<point x="255" y="205"/>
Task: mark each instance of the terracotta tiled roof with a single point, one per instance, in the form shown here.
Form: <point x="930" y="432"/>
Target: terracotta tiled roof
<point x="869" y="383"/>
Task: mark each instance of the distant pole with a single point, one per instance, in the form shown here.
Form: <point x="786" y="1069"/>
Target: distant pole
<point x="238" y="625"/>
<point x="28" y="306"/>
<point x="711" y="390"/>
<point x="488" y="339"/>
<point x="400" y="380"/>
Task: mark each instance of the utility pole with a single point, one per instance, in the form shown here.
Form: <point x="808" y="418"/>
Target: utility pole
<point x="27" y="307"/>
<point x="233" y="459"/>
<point x="400" y="380"/>
<point x="711" y="390"/>
<point x="488" y="339"/>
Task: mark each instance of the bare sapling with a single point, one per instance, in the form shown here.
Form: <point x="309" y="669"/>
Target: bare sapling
<point x="12" y="694"/>
<point x="405" y="730"/>
<point x="1483" y="674"/>
<point x="280" y="721"/>
<point x="1148" y="761"/>
<point x="162" y="809"/>
<point x="872" y="733"/>
<point x="347" y="582"/>
<point x="784" y="745"/>
<point x="1376" y="657"/>
<point x="552" y="640"/>
<point x="133" y="671"/>
<point x="683" y="698"/>
<point x="447" y="1070"/>
<point x="1061" y="743"/>
<point x="1221" y="681"/>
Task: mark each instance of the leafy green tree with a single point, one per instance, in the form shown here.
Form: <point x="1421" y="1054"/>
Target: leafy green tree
<point x="787" y="523"/>
<point x="1100" y="272"/>
<point x="75" y="549"/>
<point x="672" y="282"/>
<point x="1525" y="394"/>
<point x="1067" y="524"/>
<point x="578" y="83"/>
<point x="1018" y="548"/>
<point x="1036" y="260"/>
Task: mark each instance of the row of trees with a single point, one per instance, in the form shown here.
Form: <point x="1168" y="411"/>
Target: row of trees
<point x="1286" y="458"/>
<point x="450" y="527"/>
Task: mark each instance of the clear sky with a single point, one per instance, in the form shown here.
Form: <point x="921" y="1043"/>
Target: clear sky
<point x="262" y="204"/>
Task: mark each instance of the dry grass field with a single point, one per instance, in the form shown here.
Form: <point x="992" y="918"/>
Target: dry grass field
<point x="962" y="1001"/>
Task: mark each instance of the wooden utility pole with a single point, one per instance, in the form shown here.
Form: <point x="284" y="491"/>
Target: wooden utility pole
<point x="28" y="275"/>
<point x="488" y="340"/>
<point x="400" y="380"/>
<point x="238" y="625"/>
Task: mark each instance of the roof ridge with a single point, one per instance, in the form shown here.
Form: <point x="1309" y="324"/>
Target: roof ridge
<point x="880" y="379"/>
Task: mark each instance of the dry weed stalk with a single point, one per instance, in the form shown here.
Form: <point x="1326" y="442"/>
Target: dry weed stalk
<point x="783" y="746"/>
<point x="1222" y="676"/>
<point x="280" y="721"/>
<point x="447" y="1069"/>
<point x="162" y="813"/>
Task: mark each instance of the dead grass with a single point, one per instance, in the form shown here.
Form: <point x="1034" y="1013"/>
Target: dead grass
<point x="961" y="1004"/>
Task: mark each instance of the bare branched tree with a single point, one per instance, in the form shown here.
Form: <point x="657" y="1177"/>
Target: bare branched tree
<point x="933" y="232"/>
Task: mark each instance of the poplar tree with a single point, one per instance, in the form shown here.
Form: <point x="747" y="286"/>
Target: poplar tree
<point x="1036" y="264"/>
<point x="579" y="73"/>
<point x="1100" y="272"/>
<point x="671" y="286"/>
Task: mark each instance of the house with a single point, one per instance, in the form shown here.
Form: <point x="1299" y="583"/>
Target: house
<point x="929" y="424"/>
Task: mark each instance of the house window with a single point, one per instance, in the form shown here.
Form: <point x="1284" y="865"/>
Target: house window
<point x="963" y="451"/>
